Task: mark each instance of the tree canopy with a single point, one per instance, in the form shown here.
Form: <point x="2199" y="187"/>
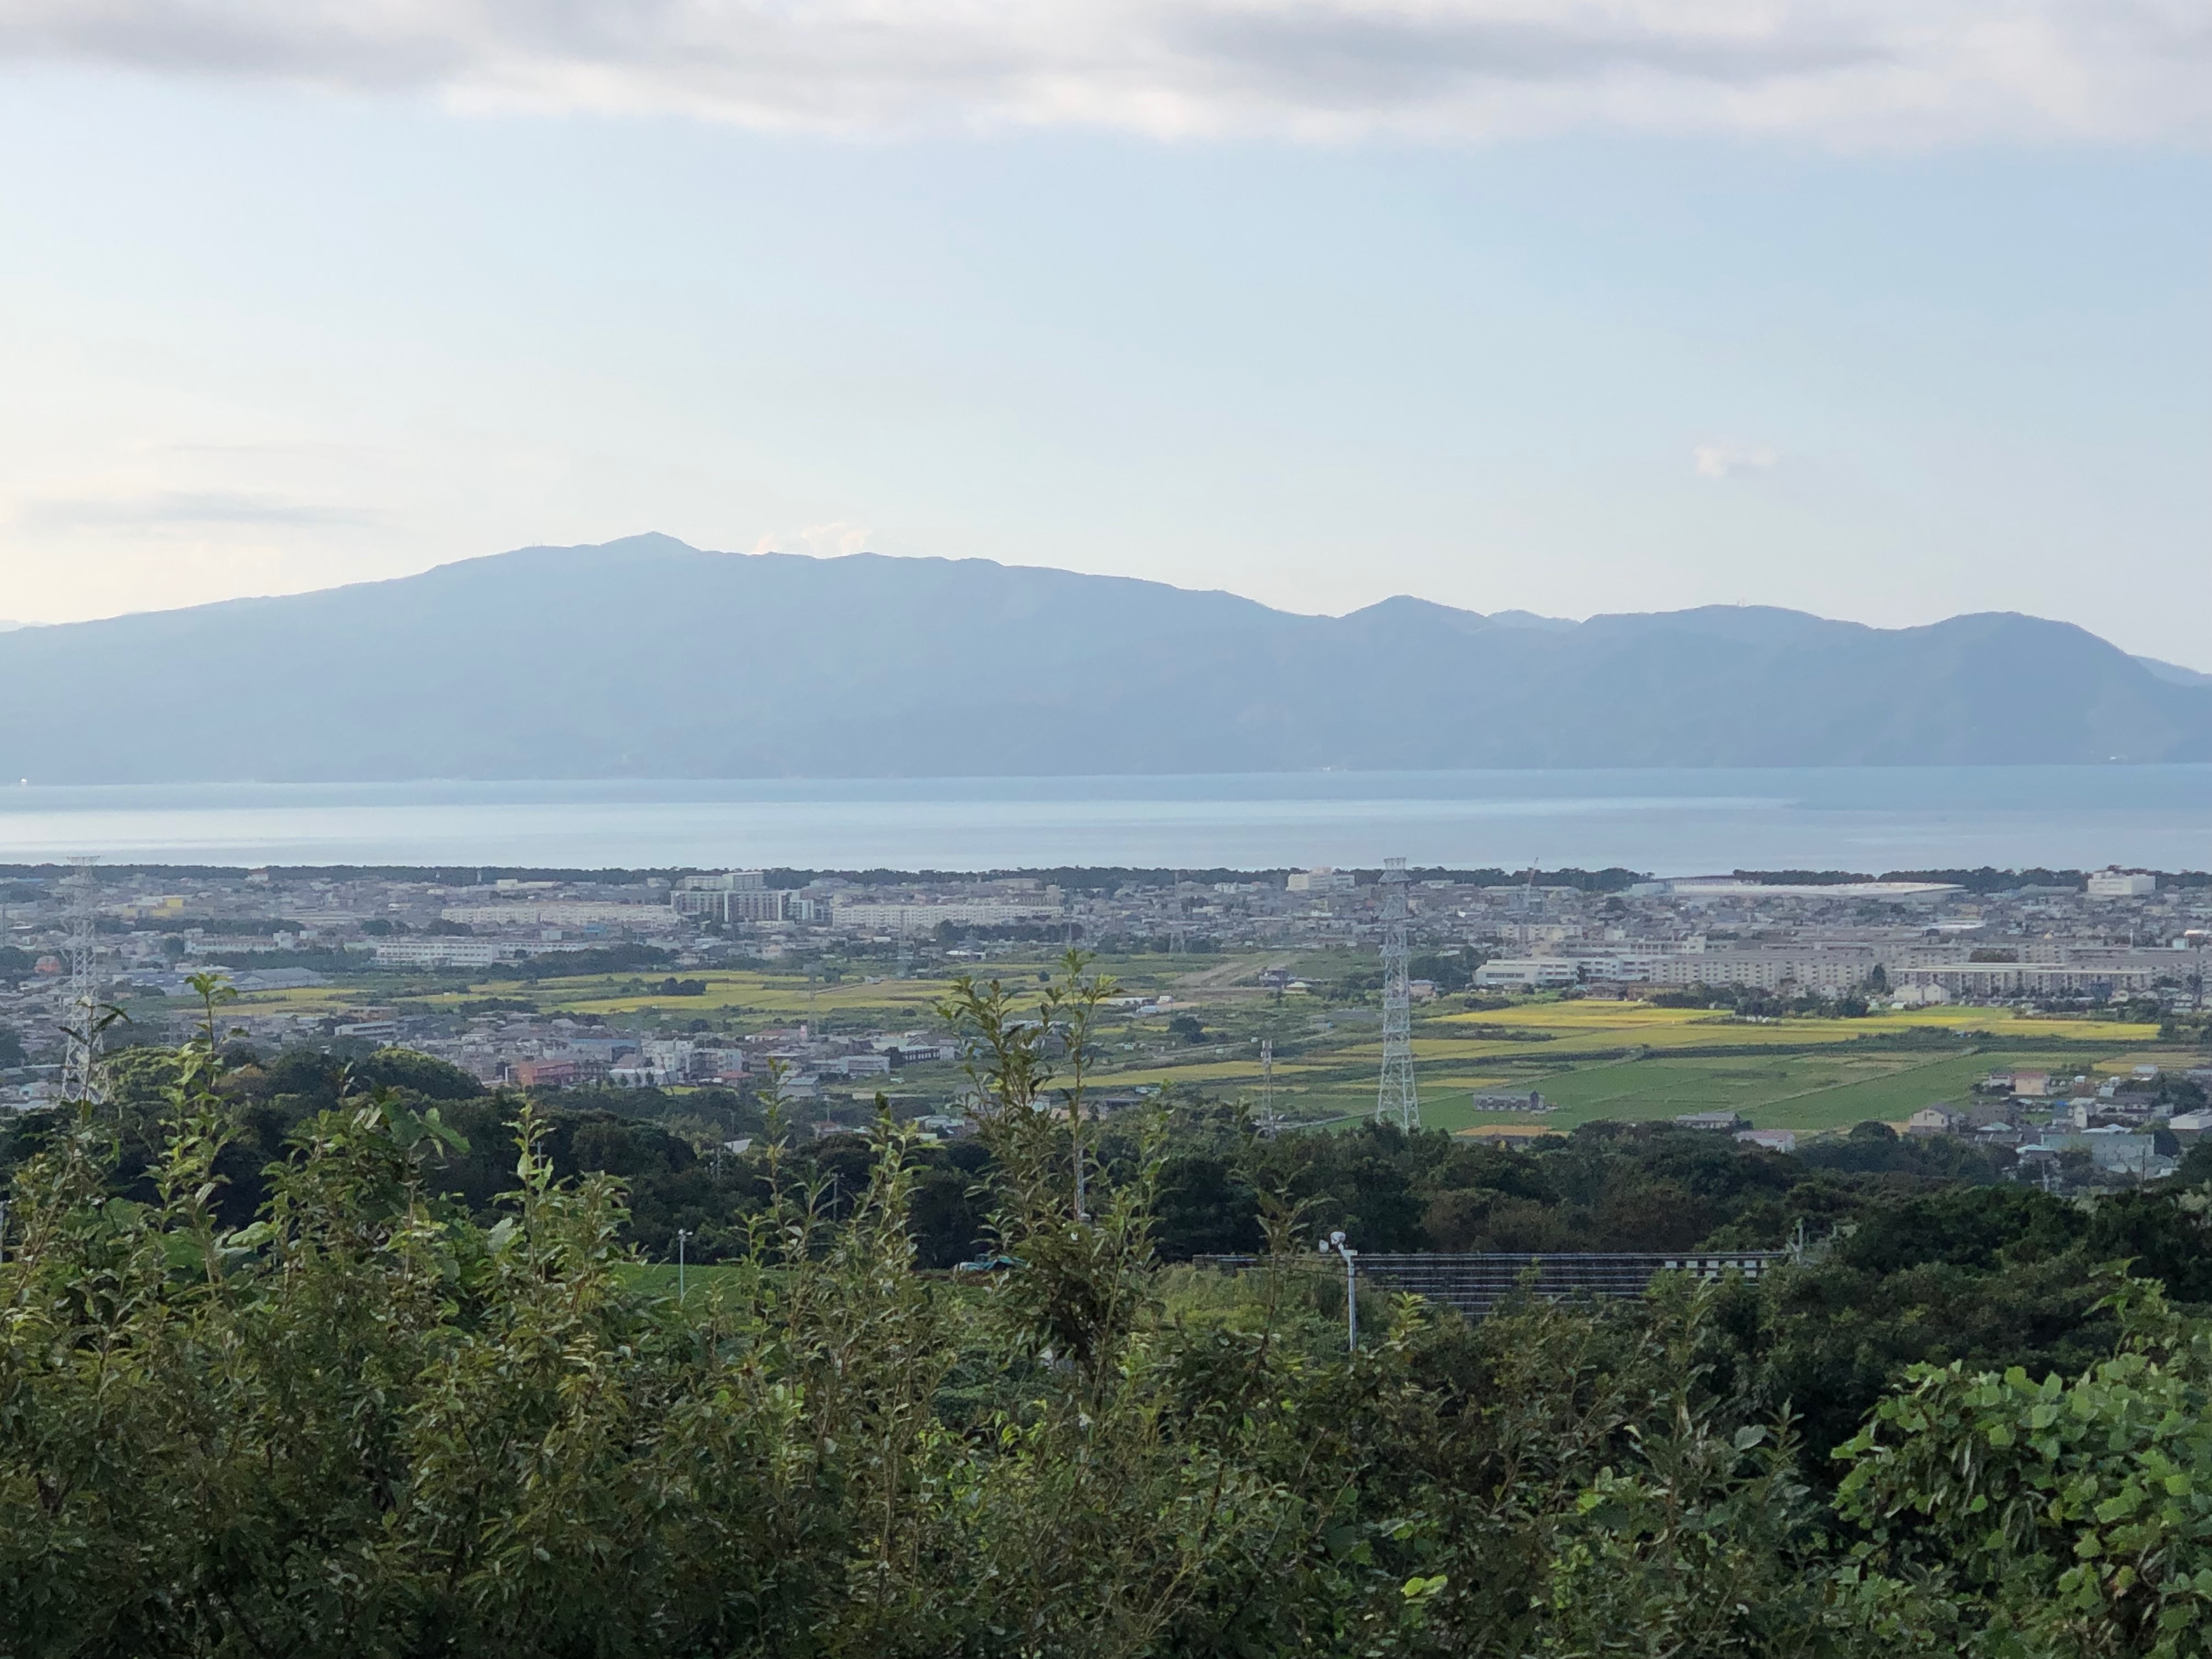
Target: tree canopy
<point x="423" y="1394"/>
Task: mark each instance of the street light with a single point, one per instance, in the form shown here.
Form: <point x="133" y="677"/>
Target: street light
<point x="1335" y="1241"/>
<point x="680" y="1237"/>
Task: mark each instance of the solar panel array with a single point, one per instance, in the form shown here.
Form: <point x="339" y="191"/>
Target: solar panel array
<point x="1476" y="1284"/>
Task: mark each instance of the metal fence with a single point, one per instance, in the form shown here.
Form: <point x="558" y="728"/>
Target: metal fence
<point x="1476" y="1284"/>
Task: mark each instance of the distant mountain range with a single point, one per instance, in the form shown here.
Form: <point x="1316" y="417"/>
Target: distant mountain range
<point x="646" y="657"/>
<point x="2174" y="673"/>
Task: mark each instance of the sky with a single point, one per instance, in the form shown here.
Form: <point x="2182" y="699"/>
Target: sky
<point x="1883" y="311"/>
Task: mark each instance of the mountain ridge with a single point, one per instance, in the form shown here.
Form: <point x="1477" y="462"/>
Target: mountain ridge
<point x="646" y="656"/>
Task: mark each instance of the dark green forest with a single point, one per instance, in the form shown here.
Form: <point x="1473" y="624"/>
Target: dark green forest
<point x="303" y="1357"/>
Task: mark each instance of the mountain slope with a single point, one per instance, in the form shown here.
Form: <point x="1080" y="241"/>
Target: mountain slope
<point x="2174" y="673"/>
<point x="645" y="658"/>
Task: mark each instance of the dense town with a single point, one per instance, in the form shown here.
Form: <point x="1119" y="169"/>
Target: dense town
<point x="441" y="962"/>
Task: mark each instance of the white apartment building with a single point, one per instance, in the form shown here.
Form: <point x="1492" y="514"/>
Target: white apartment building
<point x="455" y="951"/>
<point x="921" y="916"/>
<point x="564" y="913"/>
<point x="2111" y="883"/>
<point x="2086" y="973"/>
<point x="733" y="904"/>
<point x="731" y="896"/>
<point x="725" y="881"/>
<point x="442" y="952"/>
<point x="1830" y="970"/>
<point x="1322" y="879"/>
<point x="1526" y="973"/>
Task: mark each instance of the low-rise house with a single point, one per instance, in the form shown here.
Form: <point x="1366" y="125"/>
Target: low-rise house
<point x="1937" y="1120"/>
<point x="1773" y="1141"/>
<point x="2115" y="1151"/>
<point x="542" y="1073"/>
<point x="1486" y="1101"/>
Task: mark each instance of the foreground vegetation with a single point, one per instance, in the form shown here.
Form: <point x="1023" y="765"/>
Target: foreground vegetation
<point x="384" y="1409"/>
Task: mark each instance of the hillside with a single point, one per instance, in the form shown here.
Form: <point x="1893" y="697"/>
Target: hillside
<point x="646" y="657"/>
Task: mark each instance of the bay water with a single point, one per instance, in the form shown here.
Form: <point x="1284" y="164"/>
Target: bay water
<point x="1666" y="821"/>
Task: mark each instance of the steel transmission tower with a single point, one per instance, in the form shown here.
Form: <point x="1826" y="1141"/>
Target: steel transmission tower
<point x="1396" y="1101"/>
<point x="80" y="1024"/>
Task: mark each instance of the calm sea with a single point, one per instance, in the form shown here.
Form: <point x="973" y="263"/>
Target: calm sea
<point x="1671" y="822"/>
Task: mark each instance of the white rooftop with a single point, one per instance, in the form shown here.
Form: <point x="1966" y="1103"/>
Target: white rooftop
<point x="1731" y="887"/>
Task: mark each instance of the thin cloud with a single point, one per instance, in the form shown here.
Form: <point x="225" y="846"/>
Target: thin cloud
<point x="822" y="541"/>
<point x="1874" y="72"/>
<point x="174" y="510"/>
<point x="1720" y="459"/>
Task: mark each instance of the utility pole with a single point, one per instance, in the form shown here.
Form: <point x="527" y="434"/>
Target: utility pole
<point x="680" y="1237"/>
<point x="1267" y="1086"/>
<point x="1396" y="1099"/>
<point x="1335" y="1241"/>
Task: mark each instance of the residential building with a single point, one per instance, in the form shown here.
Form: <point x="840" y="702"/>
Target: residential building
<point x="2112" y="882"/>
<point x="1937" y="1120"/>
<point x="2115" y="1151"/>
<point x="443" y="952"/>
<point x="564" y="913"/>
<point x="543" y="1073"/>
<point x="1526" y="973"/>
<point x="865" y="915"/>
<point x="1830" y="970"/>
<point x="1773" y="1141"/>
<point x="2084" y="972"/>
<point x="734" y="895"/>
<point x="1531" y="1102"/>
